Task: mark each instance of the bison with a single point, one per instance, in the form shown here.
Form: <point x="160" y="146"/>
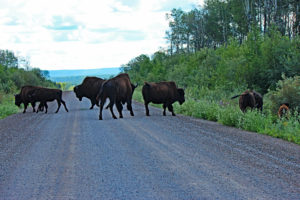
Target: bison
<point x="284" y="110"/>
<point x="165" y="93"/>
<point x="23" y="97"/>
<point x="89" y="88"/>
<point x="119" y="90"/>
<point x="43" y="95"/>
<point x="250" y="99"/>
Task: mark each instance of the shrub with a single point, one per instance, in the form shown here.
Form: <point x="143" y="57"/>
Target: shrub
<point x="287" y="91"/>
<point x="230" y="116"/>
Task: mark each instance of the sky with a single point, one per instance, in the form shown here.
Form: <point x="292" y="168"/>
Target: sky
<point x="85" y="34"/>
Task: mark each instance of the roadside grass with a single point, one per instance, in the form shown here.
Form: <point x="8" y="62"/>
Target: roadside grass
<point x="229" y="114"/>
<point x="7" y="106"/>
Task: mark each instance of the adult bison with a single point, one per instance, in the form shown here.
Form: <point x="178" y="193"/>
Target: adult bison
<point x="165" y="93"/>
<point x="251" y="99"/>
<point x="43" y="95"/>
<point x="89" y="88"/>
<point x="119" y="90"/>
<point x="23" y="97"/>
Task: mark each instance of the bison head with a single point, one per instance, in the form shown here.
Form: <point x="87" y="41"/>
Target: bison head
<point x="77" y="92"/>
<point x="18" y="100"/>
<point x="181" y="98"/>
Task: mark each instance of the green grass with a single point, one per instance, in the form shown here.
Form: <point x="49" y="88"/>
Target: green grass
<point x="7" y="106"/>
<point x="230" y="115"/>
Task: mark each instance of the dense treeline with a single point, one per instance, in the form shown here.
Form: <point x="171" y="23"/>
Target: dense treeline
<point x="258" y="63"/>
<point x="16" y="72"/>
<point x="219" y="20"/>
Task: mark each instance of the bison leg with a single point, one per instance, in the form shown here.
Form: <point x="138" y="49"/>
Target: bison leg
<point x="170" y="108"/>
<point x="111" y="105"/>
<point x="25" y="107"/>
<point x="101" y="108"/>
<point x="93" y="103"/>
<point x="33" y="106"/>
<point x="147" y="109"/>
<point x="129" y="107"/>
<point x="164" y="107"/>
<point x="59" y="104"/>
<point x="46" y="107"/>
<point x="119" y="108"/>
<point x="64" y="103"/>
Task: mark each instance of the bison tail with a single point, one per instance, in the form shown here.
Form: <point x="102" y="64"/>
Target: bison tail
<point x="235" y="96"/>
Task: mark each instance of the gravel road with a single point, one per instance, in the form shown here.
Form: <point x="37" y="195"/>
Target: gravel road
<point x="75" y="156"/>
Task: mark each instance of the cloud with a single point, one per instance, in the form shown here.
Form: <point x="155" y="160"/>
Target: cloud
<point x="63" y="23"/>
<point x="73" y="34"/>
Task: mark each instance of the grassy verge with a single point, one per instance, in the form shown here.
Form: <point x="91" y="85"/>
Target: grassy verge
<point x="230" y="115"/>
<point x="7" y="106"/>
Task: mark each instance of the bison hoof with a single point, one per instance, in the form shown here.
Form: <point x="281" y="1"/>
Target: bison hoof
<point x="121" y="116"/>
<point x="100" y="118"/>
<point x="173" y="114"/>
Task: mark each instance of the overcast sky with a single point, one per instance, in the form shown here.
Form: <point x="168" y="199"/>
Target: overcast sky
<point x="85" y="34"/>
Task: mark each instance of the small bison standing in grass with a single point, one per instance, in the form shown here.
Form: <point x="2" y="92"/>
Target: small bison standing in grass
<point x="251" y="99"/>
<point x="284" y="111"/>
<point x="165" y="93"/>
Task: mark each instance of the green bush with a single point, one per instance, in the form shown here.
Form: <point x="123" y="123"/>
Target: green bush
<point x="230" y="116"/>
<point x="287" y="91"/>
<point x="7" y="106"/>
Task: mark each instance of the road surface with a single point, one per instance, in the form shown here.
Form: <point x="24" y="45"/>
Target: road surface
<point x="75" y="156"/>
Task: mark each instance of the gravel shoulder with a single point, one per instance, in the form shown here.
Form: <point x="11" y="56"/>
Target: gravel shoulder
<point x="75" y="156"/>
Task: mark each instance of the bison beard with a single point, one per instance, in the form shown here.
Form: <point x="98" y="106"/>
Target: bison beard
<point x="165" y="93"/>
<point x="119" y="90"/>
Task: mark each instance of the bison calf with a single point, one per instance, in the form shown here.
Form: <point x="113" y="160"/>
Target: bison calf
<point x="284" y="110"/>
<point x="165" y="93"/>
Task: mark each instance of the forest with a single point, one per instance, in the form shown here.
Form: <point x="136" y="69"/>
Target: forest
<point x="15" y="72"/>
<point x="225" y="47"/>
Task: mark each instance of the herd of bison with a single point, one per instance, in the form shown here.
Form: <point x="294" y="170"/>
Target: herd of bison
<point x="119" y="90"/>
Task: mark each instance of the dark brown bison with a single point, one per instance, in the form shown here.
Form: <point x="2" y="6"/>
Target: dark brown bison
<point x="89" y="88"/>
<point x="165" y="93"/>
<point x="43" y="95"/>
<point x="23" y="97"/>
<point x="119" y="90"/>
<point x="284" y="110"/>
<point x="251" y="99"/>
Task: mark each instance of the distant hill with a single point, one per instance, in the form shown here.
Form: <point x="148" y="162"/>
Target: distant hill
<point x="75" y="77"/>
<point x="83" y="72"/>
